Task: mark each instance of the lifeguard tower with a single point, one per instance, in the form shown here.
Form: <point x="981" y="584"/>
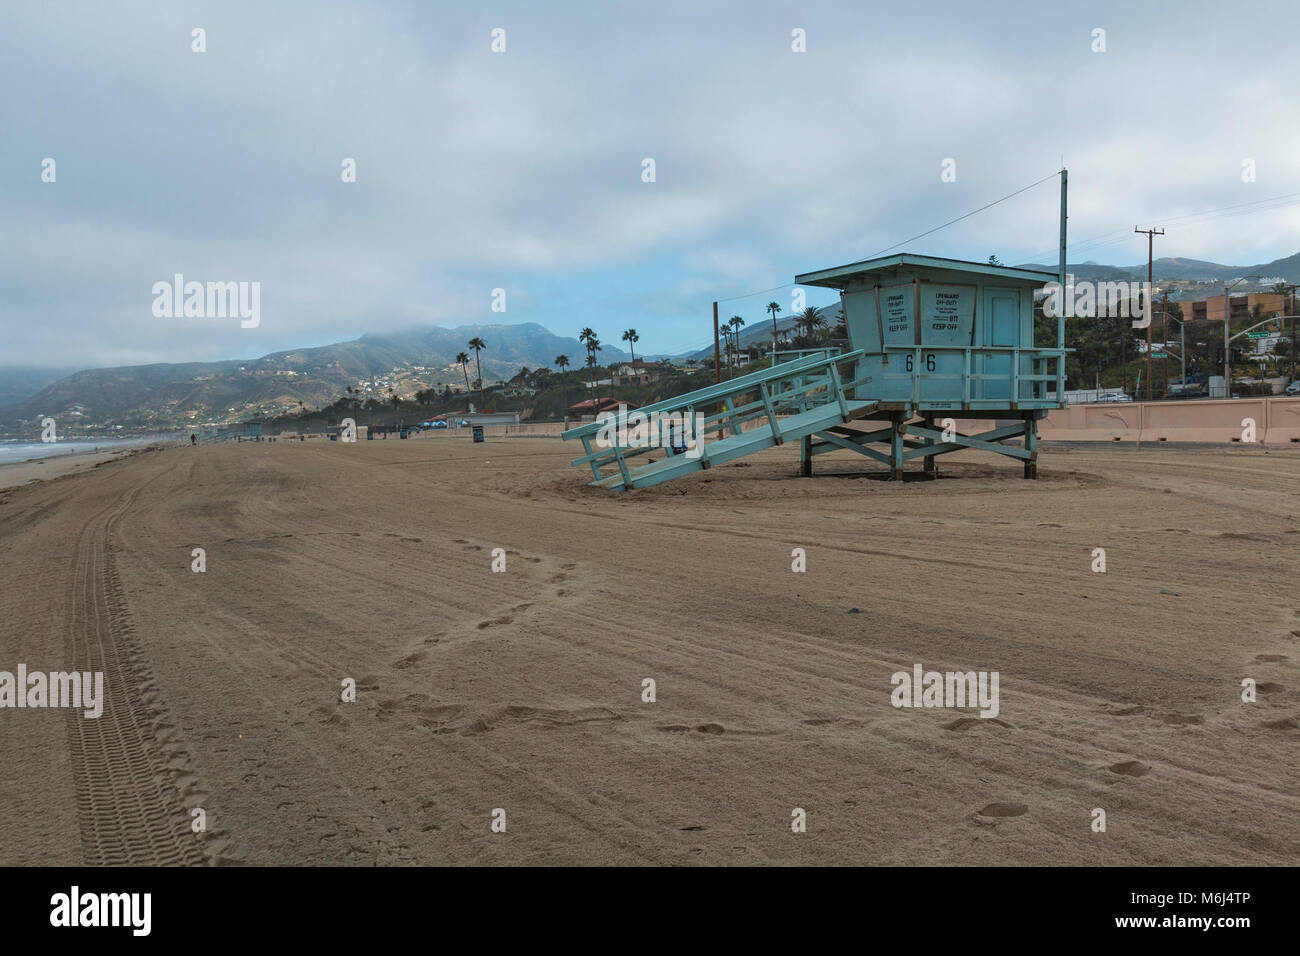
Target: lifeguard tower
<point x="941" y="339"/>
<point x="931" y="339"/>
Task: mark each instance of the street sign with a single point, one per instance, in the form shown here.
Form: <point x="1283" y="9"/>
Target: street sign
<point x="1258" y="335"/>
<point x="1159" y="355"/>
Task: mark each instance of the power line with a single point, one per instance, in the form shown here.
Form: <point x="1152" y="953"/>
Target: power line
<point x="914" y="238"/>
<point x="1219" y="212"/>
<point x="747" y="295"/>
<point x="968" y="215"/>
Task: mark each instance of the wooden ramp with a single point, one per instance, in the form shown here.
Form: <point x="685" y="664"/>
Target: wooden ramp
<point x="720" y="423"/>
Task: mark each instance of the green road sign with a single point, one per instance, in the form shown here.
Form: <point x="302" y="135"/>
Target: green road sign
<point x="1258" y="335"/>
<point x="1159" y="355"/>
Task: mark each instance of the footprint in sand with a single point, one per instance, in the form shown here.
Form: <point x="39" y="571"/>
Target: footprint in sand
<point x="700" y="729"/>
<point x="507" y="619"/>
<point x="1285" y="723"/>
<point x="1004" y="810"/>
<point x="1130" y="768"/>
<point x="966" y="723"/>
<point x="1180" y="720"/>
<point x="1271" y="658"/>
<point x="1127" y="711"/>
<point x="410" y="660"/>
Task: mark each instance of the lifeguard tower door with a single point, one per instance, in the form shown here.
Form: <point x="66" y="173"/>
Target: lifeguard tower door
<point x="1001" y="328"/>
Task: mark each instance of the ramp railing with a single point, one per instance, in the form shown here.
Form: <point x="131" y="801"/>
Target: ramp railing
<point x="680" y="426"/>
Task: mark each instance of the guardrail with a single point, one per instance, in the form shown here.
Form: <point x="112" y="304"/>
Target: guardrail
<point x="789" y="387"/>
<point x="1039" y="359"/>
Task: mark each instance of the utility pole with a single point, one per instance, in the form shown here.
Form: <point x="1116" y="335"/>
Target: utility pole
<point x="1227" y="327"/>
<point x="1060" y="277"/>
<point x="1150" y="234"/>
<point x="717" y="351"/>
<point x="1291" y="344"/>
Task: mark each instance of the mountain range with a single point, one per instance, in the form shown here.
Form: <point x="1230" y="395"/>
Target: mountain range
<point x="1179" y="270"/>
<point x="379" y="365"/>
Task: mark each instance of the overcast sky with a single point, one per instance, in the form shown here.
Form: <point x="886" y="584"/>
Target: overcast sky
<point x="522" y="170"/>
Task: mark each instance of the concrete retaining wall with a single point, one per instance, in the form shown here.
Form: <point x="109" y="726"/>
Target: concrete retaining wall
<point x="1215" y="421"/>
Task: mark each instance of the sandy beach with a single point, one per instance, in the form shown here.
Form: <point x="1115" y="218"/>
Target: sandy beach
<point x="523" y="690"/>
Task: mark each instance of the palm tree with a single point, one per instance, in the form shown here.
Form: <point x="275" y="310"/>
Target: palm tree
<point x="809" y="320"/>
<point x="631" y="338"/>
<point x="818" y="322"/>
<point x="736" y="323"/>
<point x="462" y="359"/>
<point x="562" y="362"/>
<point x="774" y="308"/>
<point x="588" y="338"/>
<point x="478" y="345"/>
<point x="593" y="346"/>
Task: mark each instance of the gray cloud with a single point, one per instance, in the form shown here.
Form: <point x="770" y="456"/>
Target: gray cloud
<point x="522" y="170"/>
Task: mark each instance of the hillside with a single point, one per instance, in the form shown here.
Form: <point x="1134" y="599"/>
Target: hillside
<point x="178" y="395"/>
<point x="1184" y="270"/>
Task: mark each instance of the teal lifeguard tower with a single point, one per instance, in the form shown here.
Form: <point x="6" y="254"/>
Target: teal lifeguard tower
<point x="931" y="339"/>
<point x="942" y="339"/>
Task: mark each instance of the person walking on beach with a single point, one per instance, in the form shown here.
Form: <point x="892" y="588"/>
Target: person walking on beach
<point x="193" y="440"/>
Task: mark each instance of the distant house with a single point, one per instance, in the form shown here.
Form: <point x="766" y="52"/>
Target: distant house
<point x="637" y="372"/>
<point x="1211" y="309"/>
<point x="593" y="407"/>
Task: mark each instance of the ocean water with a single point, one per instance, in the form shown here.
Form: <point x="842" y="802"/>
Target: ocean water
<point x="23" y="450"/>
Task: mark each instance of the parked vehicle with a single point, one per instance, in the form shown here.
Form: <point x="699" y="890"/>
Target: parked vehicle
<point x="436" y="425"/>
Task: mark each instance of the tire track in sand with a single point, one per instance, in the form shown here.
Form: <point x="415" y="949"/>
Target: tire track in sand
<point x="130" y="784"/>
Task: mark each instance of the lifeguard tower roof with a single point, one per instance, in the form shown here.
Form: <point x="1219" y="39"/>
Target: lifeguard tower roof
<point x="839" y="276"/>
